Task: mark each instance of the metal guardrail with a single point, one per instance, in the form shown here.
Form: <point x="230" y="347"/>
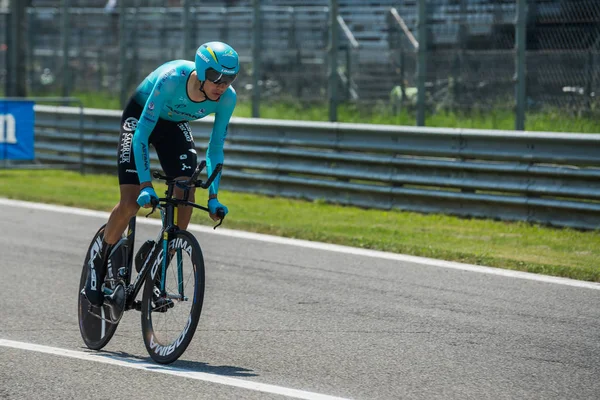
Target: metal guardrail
<point x="549" y="178"/>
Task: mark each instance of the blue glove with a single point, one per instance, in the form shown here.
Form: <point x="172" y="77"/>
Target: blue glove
<point x="213" y="205"/>
<point x="146" y="194"/>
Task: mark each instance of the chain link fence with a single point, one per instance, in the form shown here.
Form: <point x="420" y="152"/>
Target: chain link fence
<point x="468" y="47"/>
<point x="108" y="54"/>
<point x="563" y="60"/>
<point x="470" y="57"/>
<point x="470" y="54"/>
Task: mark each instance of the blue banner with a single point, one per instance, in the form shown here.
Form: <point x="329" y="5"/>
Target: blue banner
<point x="16" y="130"/>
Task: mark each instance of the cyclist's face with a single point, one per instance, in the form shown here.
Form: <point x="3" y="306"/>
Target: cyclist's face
<point x="215" y="90"/>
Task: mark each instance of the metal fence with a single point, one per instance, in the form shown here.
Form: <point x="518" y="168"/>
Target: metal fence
<point x="548" y="178"/>
<point x="467" y="52"/>
<point x="114" y="51"/>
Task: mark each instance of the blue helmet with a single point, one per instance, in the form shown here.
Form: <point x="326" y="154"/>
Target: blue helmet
<point x="217" y="62"/>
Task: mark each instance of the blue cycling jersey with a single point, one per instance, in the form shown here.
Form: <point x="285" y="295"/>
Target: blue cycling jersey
<point x="163" y="94"/>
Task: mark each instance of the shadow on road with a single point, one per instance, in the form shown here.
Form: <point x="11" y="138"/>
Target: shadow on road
<point x="179" y="365"/>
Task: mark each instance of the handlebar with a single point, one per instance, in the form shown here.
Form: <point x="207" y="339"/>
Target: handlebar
<point x="192" y="182"/>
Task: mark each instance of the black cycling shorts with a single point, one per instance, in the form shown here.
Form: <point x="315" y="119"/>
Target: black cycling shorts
<point x="173" y="142"/>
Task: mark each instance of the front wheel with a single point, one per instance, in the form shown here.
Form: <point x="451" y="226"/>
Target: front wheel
<point x="169" y="319"/>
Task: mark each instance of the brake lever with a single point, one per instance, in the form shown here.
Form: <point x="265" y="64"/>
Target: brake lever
<point x="154" y="205"/>
<point x="151" y="212"/>
<point x="221" y="215"/>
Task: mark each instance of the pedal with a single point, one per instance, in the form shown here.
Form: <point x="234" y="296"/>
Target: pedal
<point x="115" y="303"/>
<point x="161" y="305"/>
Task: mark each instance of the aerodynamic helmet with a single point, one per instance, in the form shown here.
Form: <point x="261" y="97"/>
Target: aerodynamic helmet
<point x="217" y="62"/>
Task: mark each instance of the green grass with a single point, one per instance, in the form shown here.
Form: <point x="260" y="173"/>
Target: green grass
<point x="519" y="246"/>
<point x="550" y="120"/>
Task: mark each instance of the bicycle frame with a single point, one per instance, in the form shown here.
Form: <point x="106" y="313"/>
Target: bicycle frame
<point x="168" y="209"/>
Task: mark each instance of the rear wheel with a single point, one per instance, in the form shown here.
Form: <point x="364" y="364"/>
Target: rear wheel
<point x="94" y="325"/>
<point x="169" y="321"/>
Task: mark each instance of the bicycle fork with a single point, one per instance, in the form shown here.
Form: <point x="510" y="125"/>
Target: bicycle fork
<point x="179" y="265"/>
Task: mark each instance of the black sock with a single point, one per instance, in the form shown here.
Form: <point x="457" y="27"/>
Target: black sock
<point x="95" y="296"/>
<point x="106" y="249"/>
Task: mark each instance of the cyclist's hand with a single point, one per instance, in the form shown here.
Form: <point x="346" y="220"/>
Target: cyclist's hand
<point x="213" y="206"/>
<point x="145" y="197"/>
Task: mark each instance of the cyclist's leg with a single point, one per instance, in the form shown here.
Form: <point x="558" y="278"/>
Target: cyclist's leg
<point x="126" y="208"/>
<point x="177" y="154"/>
<point x="97" y="271"/>
<point x="184" y="213"/>
<point x="117" y="222"/>
<point x="129" y="183"/>
<point x="122" y="212"/>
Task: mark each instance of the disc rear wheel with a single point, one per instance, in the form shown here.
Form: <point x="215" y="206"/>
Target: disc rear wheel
<point x="96" y="330"/>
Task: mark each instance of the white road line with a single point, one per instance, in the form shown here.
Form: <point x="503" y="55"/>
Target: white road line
<point x="161" y="369"/>
<point x="323" y="246"/>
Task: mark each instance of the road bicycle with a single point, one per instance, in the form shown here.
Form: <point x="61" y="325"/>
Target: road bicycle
<point x="171" y="270"/>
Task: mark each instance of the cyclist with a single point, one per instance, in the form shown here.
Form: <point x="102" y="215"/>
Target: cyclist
<point x="158" y="113"/>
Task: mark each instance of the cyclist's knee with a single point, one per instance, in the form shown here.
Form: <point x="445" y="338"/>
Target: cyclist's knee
<point x="178" y="193"/>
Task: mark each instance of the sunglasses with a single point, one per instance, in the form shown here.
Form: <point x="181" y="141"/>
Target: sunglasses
<point x="217" y="77"/>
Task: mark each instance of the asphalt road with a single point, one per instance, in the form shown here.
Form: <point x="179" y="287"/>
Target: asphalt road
<point x="288" y="321"/>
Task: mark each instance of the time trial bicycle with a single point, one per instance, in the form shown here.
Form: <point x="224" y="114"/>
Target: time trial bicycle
<point x="171" y="270"/>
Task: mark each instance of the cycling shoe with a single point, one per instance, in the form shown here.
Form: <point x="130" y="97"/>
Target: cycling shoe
<point x="115" y="303"/>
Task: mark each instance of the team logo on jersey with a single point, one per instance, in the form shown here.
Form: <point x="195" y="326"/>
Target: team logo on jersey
<point x="130" y="124"/>
<point x="183" y="73"/>
<point x="187" y="132"/>
<point x="126" y="147"/>
<point x="183" y="102"/>
<point x="151" y="106"/>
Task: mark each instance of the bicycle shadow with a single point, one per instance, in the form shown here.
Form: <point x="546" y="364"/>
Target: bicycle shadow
<point x="179" y="365"/>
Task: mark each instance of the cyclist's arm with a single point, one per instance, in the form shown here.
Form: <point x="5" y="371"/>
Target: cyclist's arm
<point x="214" y="153"/>
<point x="163" y="88"/>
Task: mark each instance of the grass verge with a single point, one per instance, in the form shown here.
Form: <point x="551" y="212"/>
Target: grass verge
<point x="511" y="245"/>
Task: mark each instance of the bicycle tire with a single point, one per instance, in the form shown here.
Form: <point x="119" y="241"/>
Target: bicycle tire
<point x="96" y="333"/>
<point x="166" y="353"/>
